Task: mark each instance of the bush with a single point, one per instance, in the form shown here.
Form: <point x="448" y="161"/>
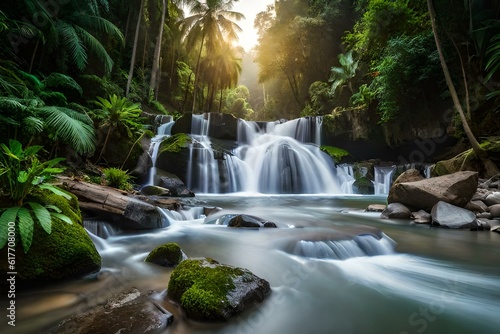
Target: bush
<point x="117" y="178"/>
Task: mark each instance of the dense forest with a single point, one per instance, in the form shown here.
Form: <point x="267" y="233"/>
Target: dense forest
<point x="82" y="78"/>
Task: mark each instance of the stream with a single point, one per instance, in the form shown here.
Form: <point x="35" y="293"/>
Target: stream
<point x="332" y="267"/>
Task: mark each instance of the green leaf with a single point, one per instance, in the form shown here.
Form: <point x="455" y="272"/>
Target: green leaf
<point x="25" y="228"/>
<point x="43" y="216"/>
<point x="62" y="217"/>
<point x="55" y="190"/>
<point x="53" y="207"/>
<point x="22" y="177"/>
<point x="8" y="216"/>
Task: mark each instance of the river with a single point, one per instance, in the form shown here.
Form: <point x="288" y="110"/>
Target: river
<point x="391" y="277"/>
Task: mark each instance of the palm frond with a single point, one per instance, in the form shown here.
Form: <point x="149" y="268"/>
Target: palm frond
<point x="78" y="134"/>
<point x="72" y="42"/>
<point x="58" y="80"/>
<point x="96" y="46"/>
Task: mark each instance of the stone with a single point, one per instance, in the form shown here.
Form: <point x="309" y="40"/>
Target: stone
<point x="175" y="185"/>
<point x="476" y="206"/>
<point x="397" y="211"/>
<point x="484" y="215"/>
<point x="409" y="175"/>
<point x="376" y="208"/>
<point x="166" y="255"/>
<point x="128" y="313"/>
<point x="456" y="189"/>
<point x="209" y="291"/>
<point x="421" y="217"/>
<point x="494" y="210"/>
<point x="493" y="198"/>
<point x="249" y="222"/>
<point x="451" y="216"/>
<point x="150" y="190"/>
<point x="495" y="229"/>
<point x="480" y="194"/>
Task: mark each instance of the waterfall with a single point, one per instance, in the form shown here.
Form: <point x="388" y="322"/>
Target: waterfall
<point x="270" y="158"/>
<point x="361" y="245"/>
<point x="383" y="179"/>
<point x="162" y="132"/>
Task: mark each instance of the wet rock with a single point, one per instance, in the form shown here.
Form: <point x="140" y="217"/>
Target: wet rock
<point x="409" y="175"/>
<point x="494" y="210"/>
<point x="209" y="291"/>
<point x="249" y="221"/>
<point x="451" y="216"/>
<point x="456" y="189"/>
<point x="421" y="217"/>
<point x="376" y="208"/>
<point x="493" y="198"/>
<point x="476" y="206"/>
<point x="480" y="194"/>
<point x="397" y="211"/>
<point x="166" y="255"/>
<point x="484" y="215"/>
<point x="128" y="313"/>
<point x="154" y="191"/>
<point x="495" y="229"/>
<point x="175" y="185"/>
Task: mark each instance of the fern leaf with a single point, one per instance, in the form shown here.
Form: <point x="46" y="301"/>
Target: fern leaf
<point x="7" y="217"/>
<point x="43" y="216"/>
<point x="62" y="217"/>
<point x="25" y="228"/>
<point x="55" y="190"/>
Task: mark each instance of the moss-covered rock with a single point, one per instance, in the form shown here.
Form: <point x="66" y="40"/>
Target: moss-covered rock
<point x="167" y="255"/>
<point x="209" y="291"/>
<point x="65" y="253"/>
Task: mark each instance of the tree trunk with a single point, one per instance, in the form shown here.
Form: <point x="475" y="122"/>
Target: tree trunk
<point x="134" y="51"/>
<point x="156" y="57"/>
<point x="196" y="74"/>
<point x="490" y="168"/>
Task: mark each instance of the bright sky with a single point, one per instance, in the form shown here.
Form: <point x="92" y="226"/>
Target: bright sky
<point x="249" y="8"/>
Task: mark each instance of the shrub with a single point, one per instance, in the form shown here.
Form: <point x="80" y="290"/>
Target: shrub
<point x="117" y="178"/>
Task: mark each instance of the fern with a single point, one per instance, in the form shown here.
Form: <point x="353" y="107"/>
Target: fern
<point x="57" y="81"/>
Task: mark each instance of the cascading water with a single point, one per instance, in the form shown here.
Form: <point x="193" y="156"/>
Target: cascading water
<point x="383" y="179"/>
<point x="162" y="132"/>
<point x="271" y="158"/>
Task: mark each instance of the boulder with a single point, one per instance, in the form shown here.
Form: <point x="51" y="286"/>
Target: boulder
<point x="397" y="211"/>
<point x="150" y="190"/>
<point x="493" y="198"/>
<point x="409" y="175"/>
<point x="456" y="189"/>
<point x="166" y="255"/>
<point x="67" y="252"/>
<point x="209" y="291"/>
<point x="494" y="210"/>
<point x="175" y="185"/>
<point x="128" y="313"/>
<point x="451" y="216"/>
<point x="476" y="206"/>
<point x="249" y="221"/>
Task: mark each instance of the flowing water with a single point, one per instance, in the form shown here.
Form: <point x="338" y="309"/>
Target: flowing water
<point x="332" y="267"/>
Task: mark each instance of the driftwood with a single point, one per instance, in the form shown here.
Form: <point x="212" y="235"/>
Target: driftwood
<point x="116" y="205"/>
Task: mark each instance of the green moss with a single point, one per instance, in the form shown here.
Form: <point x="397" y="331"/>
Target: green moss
<point x="69" y="207"/>
<point x="202" y="287"/>
<point x="169" y="254"/>
<point x="175" y="143"/>
<point x="335" y="152"/>
<point x="67" y="252"/>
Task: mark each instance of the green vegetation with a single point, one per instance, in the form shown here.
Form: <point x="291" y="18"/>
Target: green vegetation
<point x="202" y="288"/>
<point x="175" y="143"/>
<point x="335" y="152"/>
<point x="21" y="175"/>
<point x="169" y="254"/>
<point x="117" y="178"/>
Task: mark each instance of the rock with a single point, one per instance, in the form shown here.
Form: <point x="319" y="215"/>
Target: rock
<point x="456" y="189"/>
<point x="484" y="215"/>
<point x="480" y="195"/>
<point x="409" y="175"/>
<point x="376" y="208"/>
<point x="150" y="190"/>
<point x="476" y="206"/>
<point x="175" y="185"/>
<point x="494" y="210"/>
<point x="209" y="291"/>
<point x="166" y="255"/>
<point x="483" y="225"/>
<point x="68" y="252"/>
<point x="495" y="229"/>
<point x="421" y="217"/>
<point x="129" y="313"/>
<point x="249" y="221"/>
<point x="396" y="210"/>
<point x="451" y="216"/>
<point x="493" y="198"/>
<point x="363" y="186"/>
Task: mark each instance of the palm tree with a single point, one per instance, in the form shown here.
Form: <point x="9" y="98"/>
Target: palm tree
<point x="134" y="50"/>
<point x="342" y="75"/>
<point x="156" y="56"/>
<point x="117" y="111"/>
<point x="490" y="167"/>
<point x="210" y="25"/>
